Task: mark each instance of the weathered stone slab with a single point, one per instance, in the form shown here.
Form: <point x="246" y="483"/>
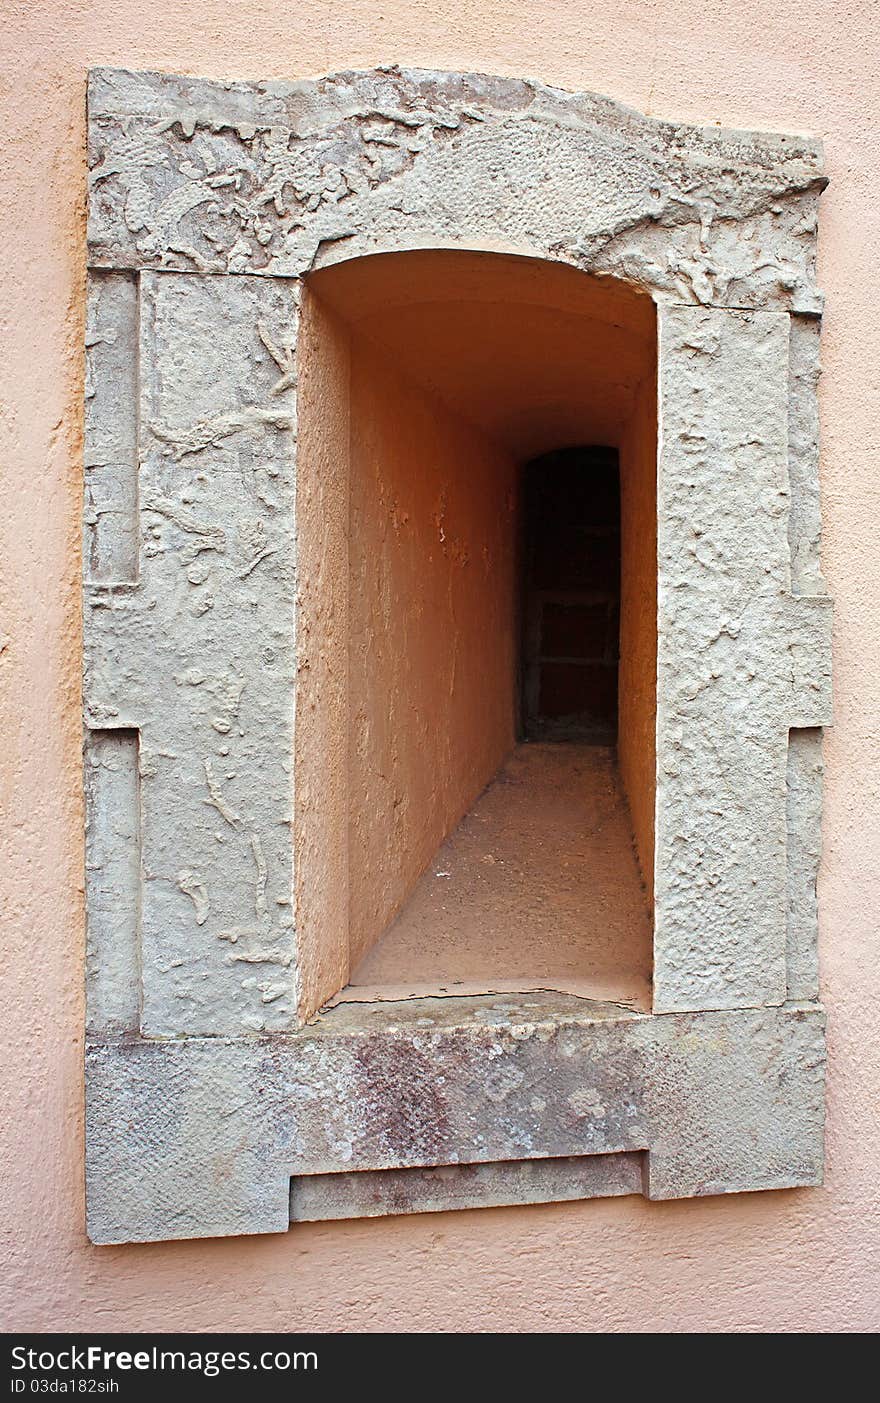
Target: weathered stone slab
<point x="376" y="1193"/>
<point x="113" y="872"/>
<point x="196" y="650"/>
<point x="110" y="461"/>
<point x="804" y="519"/>
<point x="740" y="660"/>
<point x="202" y="1136"/>
<point x="279" y="177"/>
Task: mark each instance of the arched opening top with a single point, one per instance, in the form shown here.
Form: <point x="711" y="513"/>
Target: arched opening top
<point x="534" y="353"/>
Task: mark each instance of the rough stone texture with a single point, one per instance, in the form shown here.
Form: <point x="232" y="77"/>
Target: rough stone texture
<point x="804" y="523"/>
<point x="740" y="659"/>
<point x="201" y="1137"/>
<point x="113" y="847"/>
<point x="193" y="646"/>
<point x="274" y="177"/>
<point x="110" y="537"/>
<point x="375" y="1193"/>
<point x="208" y="202"/>
<point x="804" y="837"/>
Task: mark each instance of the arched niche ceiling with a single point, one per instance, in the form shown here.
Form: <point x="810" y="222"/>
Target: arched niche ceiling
<point x="535" y="354"/>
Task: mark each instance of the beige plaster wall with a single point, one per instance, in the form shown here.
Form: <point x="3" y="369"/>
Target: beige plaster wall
<point x="805" y="1260"/>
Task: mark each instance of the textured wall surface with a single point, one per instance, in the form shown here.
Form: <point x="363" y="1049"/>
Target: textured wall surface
<point x="203" y="627"/>
<point x="321" y="756"/>
<point x="790" y="1261"/>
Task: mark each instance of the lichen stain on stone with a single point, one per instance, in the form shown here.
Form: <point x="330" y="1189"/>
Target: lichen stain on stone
<point x="399" y="1103"/>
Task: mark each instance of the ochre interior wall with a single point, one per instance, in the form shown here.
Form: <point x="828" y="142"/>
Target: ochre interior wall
<point x="432" y="629"/>
<point x="637" y="677"/>
<point x="805" y="1260"/>
<point x="426" y="381"/>
<point x="321" y="771"/>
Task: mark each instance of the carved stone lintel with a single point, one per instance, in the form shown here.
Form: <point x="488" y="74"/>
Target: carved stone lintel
<point x="280" y="178"/>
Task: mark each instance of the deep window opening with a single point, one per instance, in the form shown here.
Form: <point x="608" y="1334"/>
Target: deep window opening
<point x="571" y="596"/>
<point x="477" y="500"/>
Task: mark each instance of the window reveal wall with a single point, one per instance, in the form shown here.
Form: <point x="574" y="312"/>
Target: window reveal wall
<point x="433" y="630"/>
<point x="420" y="644"/>
<point x="205" y="1098"/>
<point x="637" y="670"/>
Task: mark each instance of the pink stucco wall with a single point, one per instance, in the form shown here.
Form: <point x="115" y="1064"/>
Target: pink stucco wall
<point x="806" y="1260"/>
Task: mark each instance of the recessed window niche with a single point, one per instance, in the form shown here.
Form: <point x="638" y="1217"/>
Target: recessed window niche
<point x="491" y="579"/>
<point x="475" y="720"/>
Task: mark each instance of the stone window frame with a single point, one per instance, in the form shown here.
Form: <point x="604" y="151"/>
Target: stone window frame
<point x="212" y="1109"/>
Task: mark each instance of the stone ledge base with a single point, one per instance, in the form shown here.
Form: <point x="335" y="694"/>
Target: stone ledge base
<point x="201" y="1137"/>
